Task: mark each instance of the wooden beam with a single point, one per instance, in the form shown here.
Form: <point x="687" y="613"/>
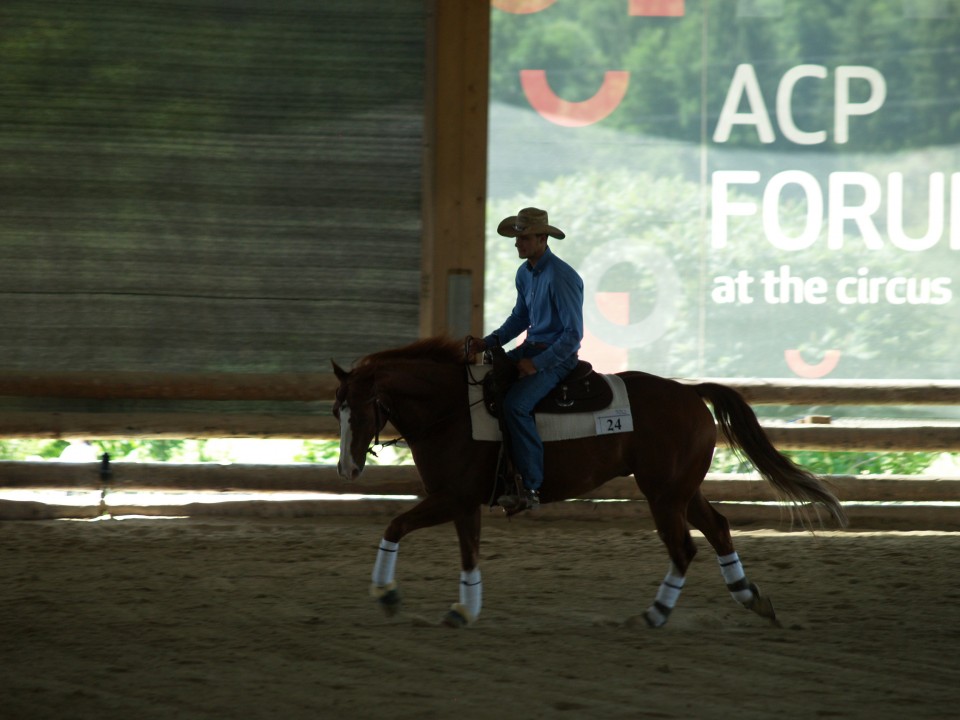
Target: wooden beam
<point x="322" y="385"/>
<point x="843" y="392"/>
<point x="740" y="516"/>
<point x="455" y="168"/>
<point x="170" y="386"/>
<point x="165" y="425"/>
<point x="404" y="480"/>
<point x="202" y="477"/>
<point x="901" y="437"/>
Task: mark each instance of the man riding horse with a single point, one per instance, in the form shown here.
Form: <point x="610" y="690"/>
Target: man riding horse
<point x="549" y="308"/>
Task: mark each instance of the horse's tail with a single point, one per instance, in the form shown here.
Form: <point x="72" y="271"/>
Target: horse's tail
<point x="740" y="426"/>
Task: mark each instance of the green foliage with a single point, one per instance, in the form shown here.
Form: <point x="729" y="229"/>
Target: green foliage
<point x="153" y="450"/>
<point x="322" y="452"/>
<point x="863" y="463"/>
<point x="29" y="449"/>
<point x="327" y="452"/>
<point x="666" y="57"/>
<point x="145" y="450"/>
<point x="319" y="451"/>
<point x="839" y="463"/>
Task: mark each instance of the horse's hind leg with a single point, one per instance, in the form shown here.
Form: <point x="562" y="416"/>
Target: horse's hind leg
<point x="672" y="528"/>
<point x="466" y="611"/>
<point x="716" y="530"/>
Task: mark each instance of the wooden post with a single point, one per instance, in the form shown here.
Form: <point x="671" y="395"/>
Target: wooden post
<point x="455" y="168"/>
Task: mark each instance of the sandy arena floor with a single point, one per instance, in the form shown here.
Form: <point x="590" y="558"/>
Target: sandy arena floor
<point x="246" y="618"/>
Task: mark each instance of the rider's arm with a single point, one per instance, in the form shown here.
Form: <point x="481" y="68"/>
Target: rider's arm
<point x="516" y="323"/>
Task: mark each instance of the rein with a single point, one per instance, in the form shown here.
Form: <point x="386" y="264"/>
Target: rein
<point x="470" y="365"/>
<point x="377" y="407"/>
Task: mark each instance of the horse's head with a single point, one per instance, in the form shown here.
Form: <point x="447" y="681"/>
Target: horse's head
<point x="358" y="410"/>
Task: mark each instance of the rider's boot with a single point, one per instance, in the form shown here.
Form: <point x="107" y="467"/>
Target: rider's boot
<point x="523" y="498"/>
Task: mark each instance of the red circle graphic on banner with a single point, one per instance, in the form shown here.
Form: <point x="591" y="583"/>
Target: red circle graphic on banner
<point x="801" y="368"/>
<point x="574" y="114"/>
<point x="522" y="7"/>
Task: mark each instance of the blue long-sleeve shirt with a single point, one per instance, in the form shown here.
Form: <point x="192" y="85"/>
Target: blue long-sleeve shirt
<point x="549" y="307"/>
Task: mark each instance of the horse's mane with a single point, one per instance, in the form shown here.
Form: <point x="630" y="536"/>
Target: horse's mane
<point x="436" y="349"/>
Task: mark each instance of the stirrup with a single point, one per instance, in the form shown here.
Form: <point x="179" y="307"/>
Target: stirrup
<point x="524" y="500"/>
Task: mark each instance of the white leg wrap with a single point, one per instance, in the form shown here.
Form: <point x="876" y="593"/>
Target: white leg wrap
<point x="384" y="567"/>
<point x="735" y="578"/>
<point x="670" y="588"/>
<point x="666" y="599"/>
<point x="471" y="592"/>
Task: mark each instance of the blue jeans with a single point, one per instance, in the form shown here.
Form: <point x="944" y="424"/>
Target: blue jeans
<point x="518" y="407"/>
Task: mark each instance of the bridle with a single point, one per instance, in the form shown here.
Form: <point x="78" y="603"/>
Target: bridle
<point x="381" y="414"/>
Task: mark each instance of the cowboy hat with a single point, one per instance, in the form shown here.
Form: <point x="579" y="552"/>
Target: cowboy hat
<point x="529" y="221"/>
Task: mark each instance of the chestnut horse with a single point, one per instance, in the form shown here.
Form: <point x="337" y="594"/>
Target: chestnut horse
<point x="422" y="390"/>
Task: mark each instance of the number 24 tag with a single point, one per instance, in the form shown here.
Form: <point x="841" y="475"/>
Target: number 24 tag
<point x="614" y="421"/>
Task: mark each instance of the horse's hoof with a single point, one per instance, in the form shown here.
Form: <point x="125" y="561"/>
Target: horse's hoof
<point x="654" y="618"/>
<point x="387" y="597"/>
<point x="390" y="603"/>
<point x="457" y="617"/>
<point x="761" y="605"/>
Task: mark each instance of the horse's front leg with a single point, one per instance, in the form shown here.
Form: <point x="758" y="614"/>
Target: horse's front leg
<point x="432" y="510"/>
<point x="467" y="610"/>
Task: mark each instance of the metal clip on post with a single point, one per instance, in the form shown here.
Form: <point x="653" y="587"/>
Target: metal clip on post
<point x="105" y="473"/>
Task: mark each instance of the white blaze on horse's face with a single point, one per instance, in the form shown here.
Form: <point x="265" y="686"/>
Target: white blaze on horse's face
<point x="346" y="467"/>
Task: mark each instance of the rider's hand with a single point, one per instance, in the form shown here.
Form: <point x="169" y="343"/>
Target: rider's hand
<point x="477" y="345"/>
<point x="526" y="367"/>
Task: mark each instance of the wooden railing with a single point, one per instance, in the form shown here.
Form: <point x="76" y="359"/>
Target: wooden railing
<point x="873" y="502"/>
<point x="299" y="407"/>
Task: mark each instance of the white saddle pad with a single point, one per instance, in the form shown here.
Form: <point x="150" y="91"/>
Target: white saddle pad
<point x="553" y="426"/>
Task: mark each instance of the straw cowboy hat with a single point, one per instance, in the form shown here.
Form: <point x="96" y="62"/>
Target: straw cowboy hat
<point x="529" y="221"/>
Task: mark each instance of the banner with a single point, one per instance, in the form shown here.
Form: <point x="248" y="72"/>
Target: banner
<point x="750" y="188"/>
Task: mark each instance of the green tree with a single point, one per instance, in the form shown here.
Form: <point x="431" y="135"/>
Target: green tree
<point x="668" y="57"/>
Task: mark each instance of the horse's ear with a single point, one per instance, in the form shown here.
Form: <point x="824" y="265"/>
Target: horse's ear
<point x="339" y="371"/>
